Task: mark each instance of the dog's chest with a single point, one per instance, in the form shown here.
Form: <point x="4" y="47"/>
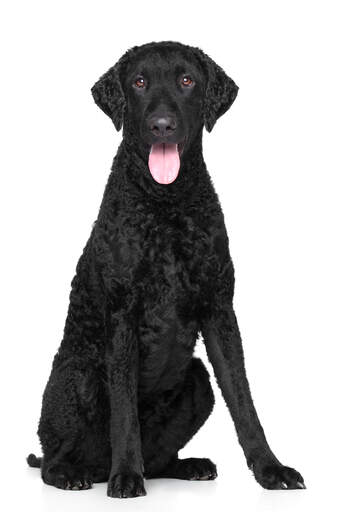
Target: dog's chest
<point x="161" y="261"/>
<point x="162" y="265"/>
<point x="172" y="255"/>
<point x="169" y="292"/>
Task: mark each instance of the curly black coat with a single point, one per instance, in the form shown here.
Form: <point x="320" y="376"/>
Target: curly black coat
<point x="125" y="393"/>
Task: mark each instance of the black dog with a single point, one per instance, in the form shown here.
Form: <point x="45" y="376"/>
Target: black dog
<point x="125" y="393"/>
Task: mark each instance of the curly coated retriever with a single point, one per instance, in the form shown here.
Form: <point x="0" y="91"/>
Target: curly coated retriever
<point x="125" y="393"/>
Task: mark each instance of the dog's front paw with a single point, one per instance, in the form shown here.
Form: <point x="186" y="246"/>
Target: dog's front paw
<point x="277" y="476"/>
<point x="126" y="485"/>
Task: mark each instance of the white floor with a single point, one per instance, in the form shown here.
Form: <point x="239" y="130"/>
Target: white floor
<point x="227" y="492"/>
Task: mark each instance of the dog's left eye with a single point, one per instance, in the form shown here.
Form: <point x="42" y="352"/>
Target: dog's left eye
<point x="186" y="81"/>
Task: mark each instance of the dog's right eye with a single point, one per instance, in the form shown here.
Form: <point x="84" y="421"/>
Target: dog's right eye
<point x="140" y="82"/>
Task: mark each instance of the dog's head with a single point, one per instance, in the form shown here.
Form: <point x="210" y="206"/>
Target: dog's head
<point x="163" y="94"/>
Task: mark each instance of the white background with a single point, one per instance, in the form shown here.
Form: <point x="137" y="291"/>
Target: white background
<point x="275" y="161"/>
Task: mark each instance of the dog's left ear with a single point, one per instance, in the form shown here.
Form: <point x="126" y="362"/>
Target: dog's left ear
<point x="108" y="95"/>
<point x="221" y="91"/>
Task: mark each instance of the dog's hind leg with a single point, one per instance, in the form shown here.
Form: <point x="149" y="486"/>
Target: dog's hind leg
<point x="75" y="410"/>
<point x="165" y="432"/>
<point x="72" y="429"/>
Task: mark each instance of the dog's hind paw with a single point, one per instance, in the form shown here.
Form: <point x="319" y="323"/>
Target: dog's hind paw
<point x="67" y="477"/>
<point x="188" y="469"/>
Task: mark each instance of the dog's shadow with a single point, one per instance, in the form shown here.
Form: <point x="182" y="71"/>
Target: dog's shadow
<point x="163" y="495"/>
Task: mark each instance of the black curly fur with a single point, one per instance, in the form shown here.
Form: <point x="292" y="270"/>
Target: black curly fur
<point x="125" y="393"/>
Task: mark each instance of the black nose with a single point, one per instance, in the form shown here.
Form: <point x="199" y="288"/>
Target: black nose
<point x="162" y="126"/>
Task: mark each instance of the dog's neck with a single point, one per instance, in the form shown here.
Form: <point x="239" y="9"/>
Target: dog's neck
<point x="131" y="183"/>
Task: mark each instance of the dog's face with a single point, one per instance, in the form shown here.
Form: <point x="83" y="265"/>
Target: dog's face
<point x="164" y="93"/>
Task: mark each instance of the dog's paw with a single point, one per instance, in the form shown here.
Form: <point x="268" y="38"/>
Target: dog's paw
<point x="126" y="485"/>
<point x="196" y="469"/>
<point x="277" y="476"/>
<point x="187" y="469"/>
<point x="67" y="477"/>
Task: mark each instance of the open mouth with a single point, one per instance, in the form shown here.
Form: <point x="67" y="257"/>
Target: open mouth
<point x="164" y="162"/>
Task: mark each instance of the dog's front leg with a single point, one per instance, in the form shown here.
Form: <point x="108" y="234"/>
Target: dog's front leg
<point x="126" y="476"/>
<point x="224" y="348"/>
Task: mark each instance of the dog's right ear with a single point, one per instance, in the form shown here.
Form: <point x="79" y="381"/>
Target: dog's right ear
<point x="108" y="95"/>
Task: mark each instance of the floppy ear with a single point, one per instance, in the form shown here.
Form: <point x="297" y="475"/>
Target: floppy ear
<point x="221" y="91"/>
<point x="108" y="95"/>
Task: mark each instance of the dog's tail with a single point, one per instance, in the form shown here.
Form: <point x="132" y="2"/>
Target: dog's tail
<point x="33" y="461"/>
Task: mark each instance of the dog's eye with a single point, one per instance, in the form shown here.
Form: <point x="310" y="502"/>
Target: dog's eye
<point x="186" y="81"/>
<point x="140" y="82"/>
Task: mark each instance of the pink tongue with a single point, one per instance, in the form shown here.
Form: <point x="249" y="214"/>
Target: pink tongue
<point x="164" y="162"/>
